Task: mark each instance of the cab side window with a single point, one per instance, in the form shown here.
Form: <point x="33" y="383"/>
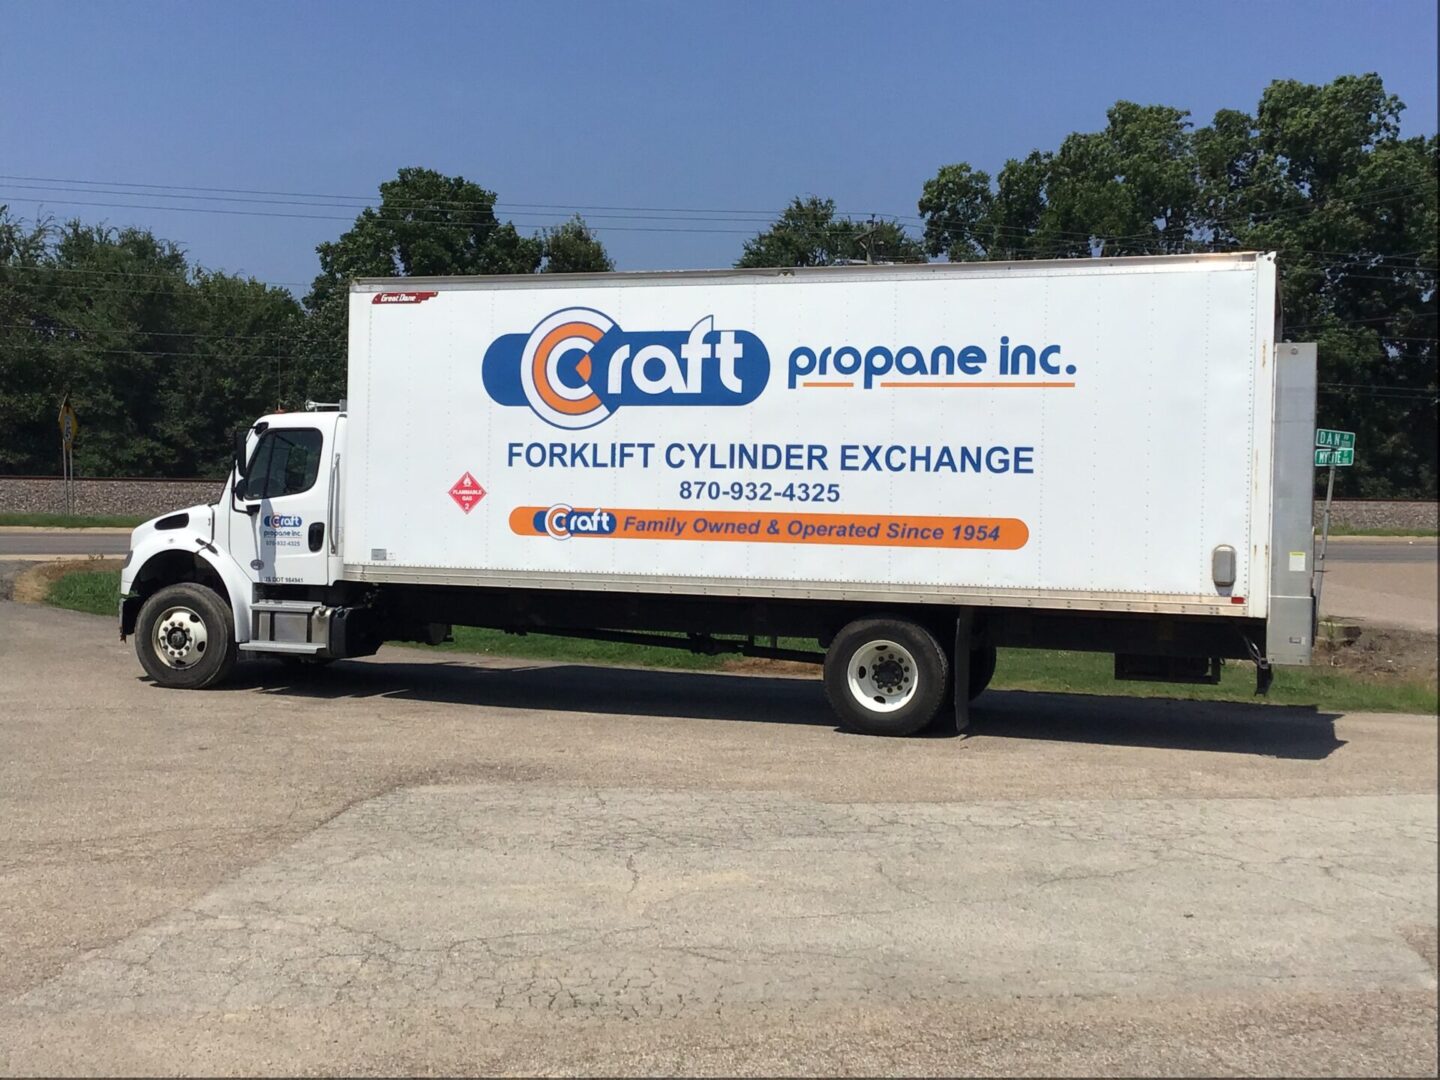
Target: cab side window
<point x="285" y="462"/>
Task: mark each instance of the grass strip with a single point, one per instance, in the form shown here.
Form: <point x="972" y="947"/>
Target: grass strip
<point x="96" y="592"/>
<point x="1344" y="530"/>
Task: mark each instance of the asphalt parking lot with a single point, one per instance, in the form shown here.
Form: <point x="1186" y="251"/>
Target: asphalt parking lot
<point x="424" y="864"/>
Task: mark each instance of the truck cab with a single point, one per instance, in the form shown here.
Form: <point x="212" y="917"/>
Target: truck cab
<point x="281" y="512"/>
<point x="249" y="573"/>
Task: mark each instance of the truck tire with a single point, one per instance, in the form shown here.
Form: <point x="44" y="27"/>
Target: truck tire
<point x="982" y="669"/>
<point x="185" y="637"/>
<point x="886" y="676"/>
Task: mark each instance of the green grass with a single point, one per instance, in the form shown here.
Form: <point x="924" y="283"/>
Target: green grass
<point x="1328" y="688"/>
<point x="96" y="592"/>
<point x="73" y="521"/>
<point x="1345" y="530"/>
<point x="578" y="650"/>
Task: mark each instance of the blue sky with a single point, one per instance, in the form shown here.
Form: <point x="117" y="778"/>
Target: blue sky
<point x="710" y="106"/>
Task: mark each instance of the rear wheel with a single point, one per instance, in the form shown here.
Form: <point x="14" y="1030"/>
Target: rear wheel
<point x="885" y="676"/>
<point x="185" y="638"/>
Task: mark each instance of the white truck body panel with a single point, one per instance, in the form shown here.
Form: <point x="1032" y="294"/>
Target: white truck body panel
<point x="625" y="429"/>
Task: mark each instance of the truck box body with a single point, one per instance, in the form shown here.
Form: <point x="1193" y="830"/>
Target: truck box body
<point x="1082" y="435"/>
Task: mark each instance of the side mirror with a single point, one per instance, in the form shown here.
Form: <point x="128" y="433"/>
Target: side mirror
<point x="242" y="467"/>
<point x="238" y="455"/>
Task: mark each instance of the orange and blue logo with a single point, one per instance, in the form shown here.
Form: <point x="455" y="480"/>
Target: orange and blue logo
<point x="562" y="522"/>
<point x="577" y="367"/>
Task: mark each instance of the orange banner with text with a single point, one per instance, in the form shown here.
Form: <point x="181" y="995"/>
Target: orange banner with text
<point x="863" y="530"/>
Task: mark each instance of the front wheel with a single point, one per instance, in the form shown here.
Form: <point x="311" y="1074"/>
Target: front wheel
<point x="886" y="676"/>
<point x="185" y="638"/>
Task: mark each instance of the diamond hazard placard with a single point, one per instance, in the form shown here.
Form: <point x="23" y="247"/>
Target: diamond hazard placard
<point x="467" y="492"/>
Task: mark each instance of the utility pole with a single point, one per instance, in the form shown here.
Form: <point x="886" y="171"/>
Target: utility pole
<point x="861" y="239"/>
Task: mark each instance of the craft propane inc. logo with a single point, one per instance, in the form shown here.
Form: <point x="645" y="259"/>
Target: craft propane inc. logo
<point x="576" y="367"/>
<point x="562" y="522"/>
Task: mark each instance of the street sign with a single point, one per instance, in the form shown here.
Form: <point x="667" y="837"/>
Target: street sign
<point x="69" y="422"/>
<point x="69" y="425"/>
<point x="1334" y="457"/>
<point x="1339" y="440"/>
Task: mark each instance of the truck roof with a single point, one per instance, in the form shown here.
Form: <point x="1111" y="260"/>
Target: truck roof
<point x="616" y="278"/>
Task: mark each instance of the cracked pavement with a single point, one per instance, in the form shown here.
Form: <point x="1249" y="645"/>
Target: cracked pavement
<point x="422" y="865"/>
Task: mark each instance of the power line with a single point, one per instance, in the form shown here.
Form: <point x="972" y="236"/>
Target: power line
<point x="1363" y="319"/>
<point x="438" y="206"/>
<point x="650" y="213"/>
<point x="1369" y="386"/>
<point x="367" y="200"/>
<point x="243" y="278"/>
<point x="338" y="217"/>
<point x="178" y="278"/>
<point x="220" y="335"/>
<point x="87" y="350"/>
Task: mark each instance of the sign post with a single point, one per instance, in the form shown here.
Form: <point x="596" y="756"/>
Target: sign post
<point x="69" y="425"/>
<point x="1333" y="449"/>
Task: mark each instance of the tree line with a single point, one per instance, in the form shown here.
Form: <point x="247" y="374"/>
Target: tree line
<point x="163" y="358"/>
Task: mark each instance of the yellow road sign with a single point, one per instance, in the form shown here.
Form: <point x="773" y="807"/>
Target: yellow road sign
<point x="69" y="422"/>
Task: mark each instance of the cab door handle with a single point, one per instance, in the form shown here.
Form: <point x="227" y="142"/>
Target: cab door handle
<point x="317" y="535"/>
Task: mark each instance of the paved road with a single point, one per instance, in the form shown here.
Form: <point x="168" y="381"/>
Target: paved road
<point x="422" y="864"/>
<point x="1360" y="550"/>
<point x="78" y="542"/>
<point x="1382" y="583"/>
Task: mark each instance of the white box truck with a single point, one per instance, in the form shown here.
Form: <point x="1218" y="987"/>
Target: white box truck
<point x="908" y="465"/>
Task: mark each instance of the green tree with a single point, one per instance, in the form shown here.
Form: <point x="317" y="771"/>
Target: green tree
<point x="1319" y="174"/>
<point x="427" y="224"/>
<point x="808" y="233"/>
<point x="160" y="361"/>
<point x="959" y="210"/>
<point x="572" y="248"/>
<point x="27" y="361"/>
<point x="239" y="363"/>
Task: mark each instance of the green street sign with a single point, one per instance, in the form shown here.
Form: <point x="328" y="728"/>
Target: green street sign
<point x="1334" y="457"/>
<point x="1339" y="440"/>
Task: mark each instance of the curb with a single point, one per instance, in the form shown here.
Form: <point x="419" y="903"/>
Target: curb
<point x="74" y="557"/>
<point x="102" y="530"/>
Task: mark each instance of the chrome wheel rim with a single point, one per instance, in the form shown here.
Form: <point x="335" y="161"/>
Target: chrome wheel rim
<point x="180" y="638"/>
<point x="882" y="676"/>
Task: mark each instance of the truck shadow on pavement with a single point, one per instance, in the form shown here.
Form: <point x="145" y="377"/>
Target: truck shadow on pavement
<point x="1281" y="731"/>
<point x="1297" y="732"/>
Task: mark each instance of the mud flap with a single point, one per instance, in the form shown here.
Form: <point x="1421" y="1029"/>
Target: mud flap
<point x="960" y="667"/>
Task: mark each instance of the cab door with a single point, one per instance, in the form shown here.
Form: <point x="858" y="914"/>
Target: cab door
<point x="286" y="495"/>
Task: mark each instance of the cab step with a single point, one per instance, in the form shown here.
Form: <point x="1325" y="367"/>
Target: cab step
<point x="293" y="627"/>
<point x="289" y="648"/>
